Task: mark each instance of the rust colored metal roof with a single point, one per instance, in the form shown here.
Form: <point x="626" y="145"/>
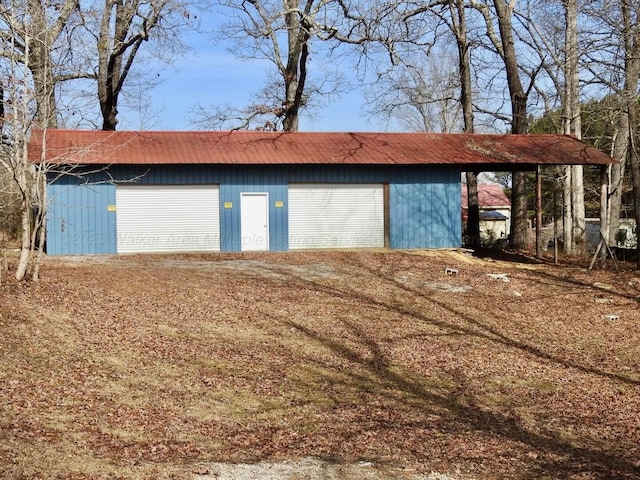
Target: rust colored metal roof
<point x="490" y="195"/>
<point x="291" y="148"/>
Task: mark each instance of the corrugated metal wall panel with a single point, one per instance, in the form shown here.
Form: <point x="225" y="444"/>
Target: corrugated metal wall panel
<point x="167" y="218"/>
<point x="339" y="174"/>
<point x="79" y="220"/>
<point x="425" y="209"/>
<point x="336" y="215"/>
<point x="230" y="214"/>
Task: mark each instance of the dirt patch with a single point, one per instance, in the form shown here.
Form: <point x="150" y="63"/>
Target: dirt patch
<point x="258" y="268"/>
<point x="311" y="469"/>
<point x="378" y="364"/>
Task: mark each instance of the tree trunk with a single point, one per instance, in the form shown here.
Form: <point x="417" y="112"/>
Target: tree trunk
<point x="519" y="122"/>
<point x="40" y="226"/>
<point x="574" y="221"/>
<point x="632" y="78"/>
<point x="473" y="211"/>
<point x="567" y="212"/>
<point x="109" y="65"/>
<point x="22" y="179"/>
<point x="295" y="73"/>
<point x="634" y="162"/>
<point x="464" y="65"/>
<point x="46" y="109"/>
<point x="37" y="58"/>
<point x="519" y="222"/>
<point x="459" y="24"/>
<point x="575" y="125"/>
<point x="604" y="210"/>
<point x="635" y="178"/>
<point x="619" y="152"/>
<point x="577" y="200"/>
<point x="539" y="212"/>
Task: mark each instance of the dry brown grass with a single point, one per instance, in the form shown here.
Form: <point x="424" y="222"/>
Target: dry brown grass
<point x="147" y="367"/>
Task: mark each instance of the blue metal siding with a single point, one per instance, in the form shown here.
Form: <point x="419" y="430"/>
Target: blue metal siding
<point x="425" y="209"/>
<point x="424" y="201"/>
<point x="235" y="180"/>
<point x="340" y="174"/>
<point x="78" y="220"/>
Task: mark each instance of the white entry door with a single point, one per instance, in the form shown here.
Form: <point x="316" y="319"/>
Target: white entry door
<point x="254" y="222"/>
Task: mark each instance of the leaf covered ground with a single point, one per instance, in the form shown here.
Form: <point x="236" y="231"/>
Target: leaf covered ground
<point x="155" y="366"/>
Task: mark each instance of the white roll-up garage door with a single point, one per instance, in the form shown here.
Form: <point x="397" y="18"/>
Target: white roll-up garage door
<point x="167" y="218"/>
<point x="336" y="216"/>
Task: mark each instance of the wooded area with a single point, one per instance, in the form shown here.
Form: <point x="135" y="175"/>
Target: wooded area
<point x="70" y="64"/>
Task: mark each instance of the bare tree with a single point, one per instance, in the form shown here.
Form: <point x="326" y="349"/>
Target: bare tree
<point x="620" y="151"/>
<point x="281" y="32"/>
<point x="24" y="100"/>
<point x="611" y="62"/>
<point x="459" y="28"/>
<point x="31" y="32"/>
<point x="265" y="109"/>
<point x="505" y="46"/>
<point x="630" y="12"/>
<point x="33" y="49"/>
<point x="554" y="35"/>
<point x="120" y="28"/>
<point x="421" y="94"/>
<point x="574" y="221"/>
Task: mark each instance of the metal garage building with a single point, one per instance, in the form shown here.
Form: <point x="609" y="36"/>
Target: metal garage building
<point x="134" y="192"/>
